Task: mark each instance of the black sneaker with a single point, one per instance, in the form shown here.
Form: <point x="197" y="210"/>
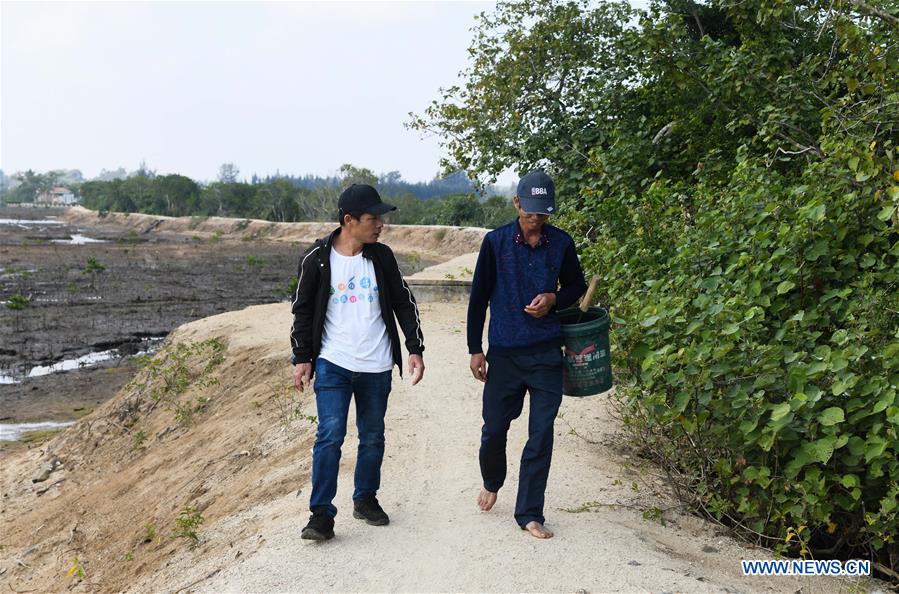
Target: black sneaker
<point x="320" y="526"/>
<point x="369" y="509"/>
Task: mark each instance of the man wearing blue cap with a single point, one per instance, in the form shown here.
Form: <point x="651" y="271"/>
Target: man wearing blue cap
<point x="526" y="271"/>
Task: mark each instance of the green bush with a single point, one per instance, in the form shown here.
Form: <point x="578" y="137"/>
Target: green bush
<point x="760" y="353"/>
<point x="729" y="169"/>
<point x="175" y="370"/>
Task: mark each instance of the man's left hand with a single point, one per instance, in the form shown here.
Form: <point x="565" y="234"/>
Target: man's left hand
<point x="416" y="368"/>
<point x="541" y="305"/>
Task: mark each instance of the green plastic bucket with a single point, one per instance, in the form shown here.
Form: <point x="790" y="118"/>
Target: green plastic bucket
<point x="587" y="368"/>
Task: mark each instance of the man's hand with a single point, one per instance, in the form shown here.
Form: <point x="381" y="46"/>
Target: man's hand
<point x="302" y="374"/>
<point x="416" y="368"/>
<point x="541" y="305"/>
<point x="478" y="367"/>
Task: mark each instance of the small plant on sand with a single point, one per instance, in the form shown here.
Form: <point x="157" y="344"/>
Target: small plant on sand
<point x="292" y="286"/>
<point x="256" y="263"/>
<point x="177" y="368"/>
<point x="18" y="302"/>
<point x="150" y="534"/>
<point x="289" y="407"/>
<point x="196" y="222"/>
<point x="132" y="237"/>
<point x="77" y="569"/>
<point x="654" y="514"/>
<point x="93" y="266"/>
<point x="216" y="236"/>
<point x="186" y="524"/>
<point x="241" y="225"/>
<point x="139" y="438"/>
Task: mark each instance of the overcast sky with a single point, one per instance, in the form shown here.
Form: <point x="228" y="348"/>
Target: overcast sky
<point x="186" y="86"/>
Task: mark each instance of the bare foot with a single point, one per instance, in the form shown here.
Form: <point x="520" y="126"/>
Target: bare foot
<point x="486" y="499"/>
<point x="538" y="530"/>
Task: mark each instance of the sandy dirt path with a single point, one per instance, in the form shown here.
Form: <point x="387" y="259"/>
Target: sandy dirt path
<point x="439" y="541"/>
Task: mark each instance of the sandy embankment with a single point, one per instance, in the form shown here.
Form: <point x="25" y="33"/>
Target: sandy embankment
<point x="242" y="467"/>
<point x="434" y="242"/>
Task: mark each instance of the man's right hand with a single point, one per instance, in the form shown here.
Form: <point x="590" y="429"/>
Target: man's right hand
<point x="478" y="367"/>
<point x="302" y="374"/>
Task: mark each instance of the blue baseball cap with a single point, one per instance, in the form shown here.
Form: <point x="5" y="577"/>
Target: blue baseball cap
<point x="537" y="193"/>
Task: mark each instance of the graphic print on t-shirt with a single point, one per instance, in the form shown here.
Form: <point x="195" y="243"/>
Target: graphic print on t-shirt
<point x="349" y="293"/>
<point x="355" y="334"/>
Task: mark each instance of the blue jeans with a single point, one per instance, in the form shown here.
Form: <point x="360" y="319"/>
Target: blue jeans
<point x="508" y="378"/>
<point x="334" y="387"/>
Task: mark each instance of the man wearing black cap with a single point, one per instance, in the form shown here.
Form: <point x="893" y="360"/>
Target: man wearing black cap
<point x="349" y="288"/>
<point x="526" y="271"/>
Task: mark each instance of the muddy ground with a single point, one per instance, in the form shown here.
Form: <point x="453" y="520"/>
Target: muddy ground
<point x="116" y="294"/>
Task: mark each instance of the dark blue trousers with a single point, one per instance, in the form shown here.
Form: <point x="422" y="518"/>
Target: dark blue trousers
<point x="508" y="378"/>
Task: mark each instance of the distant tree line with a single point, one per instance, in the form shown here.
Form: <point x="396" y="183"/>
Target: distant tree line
<point x="390" y="183"/>
<point x="274" y="198"/>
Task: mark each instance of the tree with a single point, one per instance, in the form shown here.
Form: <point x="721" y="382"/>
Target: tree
<point x="109" y="175"/>
<point x="532" y="92"/>
<point x="144" y="171"/>
<point x="228" y="173"/>
<point x="30" y="186"/>
<point x="350" y="174"/>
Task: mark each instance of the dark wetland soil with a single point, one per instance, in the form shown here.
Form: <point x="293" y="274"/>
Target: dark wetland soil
<point x="113" y="295"/>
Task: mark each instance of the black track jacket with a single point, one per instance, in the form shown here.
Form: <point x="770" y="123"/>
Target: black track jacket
<point x="311" y="301"/>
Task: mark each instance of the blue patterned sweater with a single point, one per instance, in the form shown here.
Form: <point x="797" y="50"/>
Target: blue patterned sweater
<point x="508" y="275"/>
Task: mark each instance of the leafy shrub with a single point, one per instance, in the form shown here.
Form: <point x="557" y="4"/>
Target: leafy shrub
<point x="18" y="302"/>
<point x="729" y="170"/>
<point x="177" y="368"/>
<point x="187" y="523"/>
<point x="93" y="266"/>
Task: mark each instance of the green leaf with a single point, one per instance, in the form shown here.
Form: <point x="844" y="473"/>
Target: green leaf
<point x="820" y="450"/>
<point x="886" y="213"/>
<point x="785" y="287"/>
<point x="749" y="425"/>
<point x="840" y="337"/>
<point x="780" y="410"/>
<point x="867" y="261"/>
<point x="816" y="213"/>
<point x="692" y="326"/>
<point x="874" y="447"/>
<point x="819" y="249"/>
<point x="856" y="445"/>
<point x="849" y="481"/>
<point x="883" y="403"/>
<point x="831" y="416"/>
<point x="797" y="317"/>
<point x="646" y="323"/>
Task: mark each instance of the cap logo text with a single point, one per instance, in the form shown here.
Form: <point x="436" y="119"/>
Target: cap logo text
<point x="539" y="191"/>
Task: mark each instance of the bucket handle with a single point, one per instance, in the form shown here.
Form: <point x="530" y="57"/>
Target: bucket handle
<point x="588" y="296"/>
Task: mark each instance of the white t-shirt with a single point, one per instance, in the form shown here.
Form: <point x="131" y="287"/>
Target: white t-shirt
<point x="355" y="335"/>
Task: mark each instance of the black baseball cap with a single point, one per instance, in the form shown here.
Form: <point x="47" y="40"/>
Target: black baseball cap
<point x="362" y="198"/>
<point x="537" y="193"/>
